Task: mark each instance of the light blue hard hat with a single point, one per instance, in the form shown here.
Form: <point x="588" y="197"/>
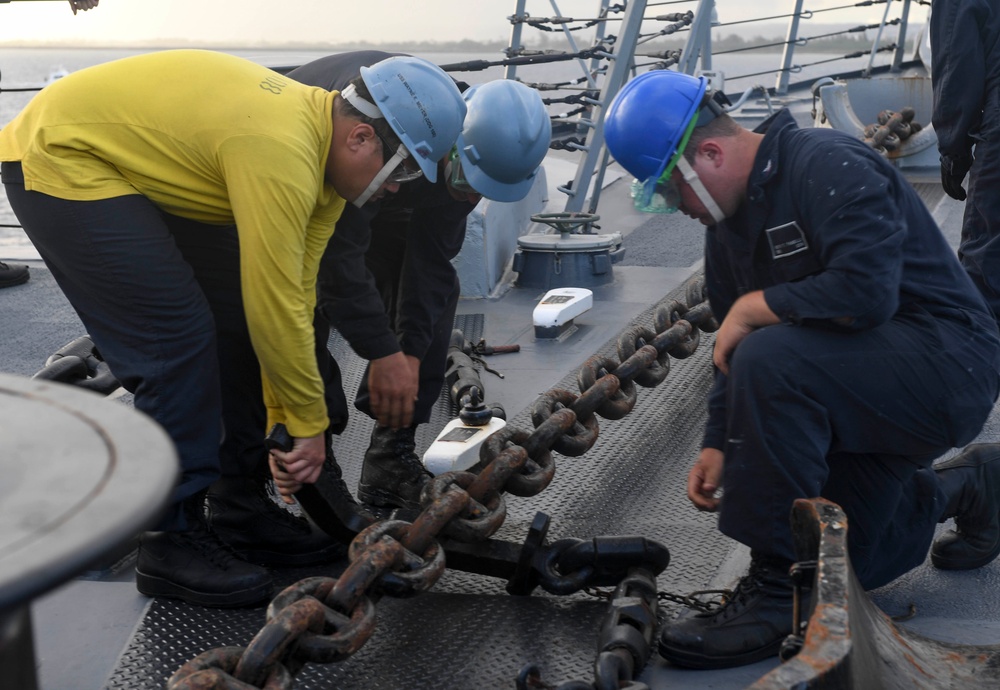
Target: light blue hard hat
<point x="648" y="119"/>
<point x="421" y="103"/>
<point x="504" y="138"/>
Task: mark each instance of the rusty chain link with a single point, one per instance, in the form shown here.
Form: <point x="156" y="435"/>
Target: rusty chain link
<point x="324" y="620"/>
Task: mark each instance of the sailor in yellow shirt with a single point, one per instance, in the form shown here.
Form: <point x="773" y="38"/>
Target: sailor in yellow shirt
<point x="129" y="178"/>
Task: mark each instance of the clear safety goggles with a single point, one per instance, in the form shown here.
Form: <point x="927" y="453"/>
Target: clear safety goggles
<point x="661" y="194"/>
<point x="455" y="175"/>
<point x="657" y="196"/>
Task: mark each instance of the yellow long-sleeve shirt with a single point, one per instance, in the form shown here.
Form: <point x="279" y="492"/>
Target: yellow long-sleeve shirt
<point x="213" y="138"/>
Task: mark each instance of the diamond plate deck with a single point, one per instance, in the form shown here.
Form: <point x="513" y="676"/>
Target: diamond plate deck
<point x="467" y="632"/>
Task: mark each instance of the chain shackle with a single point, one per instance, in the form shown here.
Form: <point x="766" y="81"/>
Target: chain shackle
<point x="536" y="473"/>
<point x="553" y="580"/>
<point x="618" y="404"/>
<point x="576" y="440"/>
<point x="634" y="339"/>
<point x="418" y="571"/>
<point x="214" y="669"/>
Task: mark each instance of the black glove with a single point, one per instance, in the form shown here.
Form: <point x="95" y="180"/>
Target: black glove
<point x="953" y="172"/>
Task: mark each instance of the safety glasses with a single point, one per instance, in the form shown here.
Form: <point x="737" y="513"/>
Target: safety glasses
<point x="455" y="175"/>
<point x="405" y="171"/>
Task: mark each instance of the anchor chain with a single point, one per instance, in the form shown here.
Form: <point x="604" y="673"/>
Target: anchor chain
<point x="626" y="639"/>
<point x="891" y="130"/>
<point x="325" y="620"/>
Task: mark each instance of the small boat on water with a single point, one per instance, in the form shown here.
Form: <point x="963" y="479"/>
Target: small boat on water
<point x="56" y="74"/>
<point x="491" y="621"/>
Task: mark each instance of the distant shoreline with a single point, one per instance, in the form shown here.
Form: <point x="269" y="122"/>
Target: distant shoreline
<point x="423" y="46"/>
<point x="732" y="41"/>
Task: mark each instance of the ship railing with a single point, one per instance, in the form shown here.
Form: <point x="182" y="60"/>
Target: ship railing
<point x="621" y="45"/>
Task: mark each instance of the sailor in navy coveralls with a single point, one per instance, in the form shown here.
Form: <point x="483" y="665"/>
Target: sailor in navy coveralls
<point x="853" y="351"/>
<point x="965" y="61"/>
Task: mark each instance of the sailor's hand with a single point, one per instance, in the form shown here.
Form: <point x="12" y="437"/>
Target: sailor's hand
<point x="704" y="480"/>
<point x="393" y="383"/>
<point x="747" y="314"/>
<point x="953" y="172"/>
<point x="302" y="464"/>
<point x="287" y="485"/>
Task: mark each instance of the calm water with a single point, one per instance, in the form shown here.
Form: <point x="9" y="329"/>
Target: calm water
<point x="24" y="67"/>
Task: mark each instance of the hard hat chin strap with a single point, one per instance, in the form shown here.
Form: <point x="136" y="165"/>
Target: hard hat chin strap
<point x="691" y="177"/>
<point x="369" y="109"/>
<point x="382" y="176"/>
<point x="363" y="106"/>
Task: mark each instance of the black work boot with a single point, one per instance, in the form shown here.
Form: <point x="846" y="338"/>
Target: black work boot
<point x="195" y="566"/>
<point x="971" y="481"/>
<point x="749" y="627"/>
<point x="259" y="530"/>
<point x="392" y="474"/>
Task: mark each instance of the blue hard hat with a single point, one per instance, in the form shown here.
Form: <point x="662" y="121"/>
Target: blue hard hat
<point x="504" y="139"/>
<point x="648" y="118"/>
<point x="421" y="103"/>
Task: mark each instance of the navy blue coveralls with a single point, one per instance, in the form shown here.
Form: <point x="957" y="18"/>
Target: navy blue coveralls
<point x="965" y="71"/>
<point x="414" y="235"/>
<point x="886" y="357"/>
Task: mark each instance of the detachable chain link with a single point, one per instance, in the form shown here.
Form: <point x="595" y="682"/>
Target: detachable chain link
<point x="324" y="620"/>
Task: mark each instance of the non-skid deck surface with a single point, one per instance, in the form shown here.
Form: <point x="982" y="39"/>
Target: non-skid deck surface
<point x="467" y="632"/>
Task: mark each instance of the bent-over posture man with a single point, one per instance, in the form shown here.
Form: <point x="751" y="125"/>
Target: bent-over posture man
<point x="397" y="309"/>
<point x="147" y="183"/>
<point x="388" y="285"/>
